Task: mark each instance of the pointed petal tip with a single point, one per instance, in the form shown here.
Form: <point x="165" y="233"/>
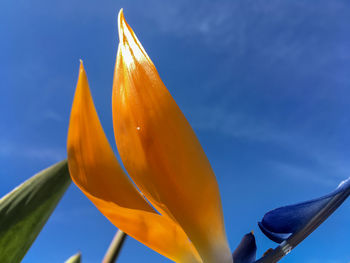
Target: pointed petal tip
<point x="82" y="77"/>
<point x="81" y="66"/>
<point x="121" y="12"/>
<point x="121" y="24"/>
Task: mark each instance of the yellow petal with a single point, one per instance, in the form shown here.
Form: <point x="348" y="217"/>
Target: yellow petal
<point x="161" y="152"/>
<point x="96" y="171"/>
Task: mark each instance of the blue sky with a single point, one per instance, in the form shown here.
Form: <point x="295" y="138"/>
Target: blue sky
<point x="264" y="84"/>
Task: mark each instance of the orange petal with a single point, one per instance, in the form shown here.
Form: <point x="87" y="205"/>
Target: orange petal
<point x="96" y="171"/>
<point x="162" y="153"/>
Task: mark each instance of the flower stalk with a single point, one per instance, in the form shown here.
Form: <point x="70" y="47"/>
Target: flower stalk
<point x="115" y="247"/>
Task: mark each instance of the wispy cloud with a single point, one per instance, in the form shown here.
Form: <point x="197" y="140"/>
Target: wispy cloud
<point x="317" y="260"/>
<point x="323" y="163"/>
<point x="65" y="217"/>
<point x="234" y="23"/>
<point x="301" y="173"/>
<point x="218" y="23"/>
<point x="236" y="124"/>
<point x="10" y="149"/>
<point x="51" y="115"/>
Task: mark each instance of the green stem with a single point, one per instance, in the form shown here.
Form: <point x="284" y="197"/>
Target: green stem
<point x="115" y="247"/>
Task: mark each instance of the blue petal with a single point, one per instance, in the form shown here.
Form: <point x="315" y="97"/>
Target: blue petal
<point x="246" y="250"/>
<point x="277" y="237"/>
<point x="282" y="222"/>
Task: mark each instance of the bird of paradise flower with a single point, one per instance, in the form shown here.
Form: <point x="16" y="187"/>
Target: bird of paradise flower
<point x="175" y="207"/>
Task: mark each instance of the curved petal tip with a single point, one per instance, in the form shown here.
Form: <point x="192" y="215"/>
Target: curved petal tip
<point x="246" y="250"/>
<point x="282" y="222"/>
<point x="276" y="237"/>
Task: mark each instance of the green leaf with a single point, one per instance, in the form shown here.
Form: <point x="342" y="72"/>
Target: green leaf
<point x="25" y="210"/>
<point x="74" y="259"/>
